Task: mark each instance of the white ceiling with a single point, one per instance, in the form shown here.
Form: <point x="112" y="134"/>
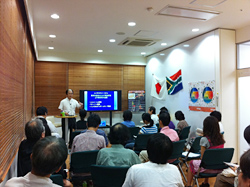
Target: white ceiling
<point x="87" y="25"/>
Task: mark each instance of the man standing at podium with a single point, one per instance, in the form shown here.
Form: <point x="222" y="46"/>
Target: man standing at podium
<point x="69" y="105"/>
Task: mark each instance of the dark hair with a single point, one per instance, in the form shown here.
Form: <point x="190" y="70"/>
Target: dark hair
<point x="45" y="124"/>
<point x="245" y="165"/>
<point x="40" y="111"/>
<point x="212" y="131"/>
<point x="48" y="155"/>
<point x="147" y="117"/>
<point x="152" y="108"/>
<point x="119" y="134"/>
<point x="82" y="114"/>
<point x="34" y="130"/>
<point x="247" y="134"/>
<point x="216" y="114"/>
<point x="159" y="148"/>
<point x="127" y="115"/>
<point x="163" y="109"/>
<point x="68" y="91"/>
<point x="164" y="117"/>
<point x="179" y="115"/>
<point x="93" y="120"/>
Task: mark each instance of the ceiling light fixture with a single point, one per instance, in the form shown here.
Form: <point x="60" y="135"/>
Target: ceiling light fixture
<point x="143" y="53"/>
<point x="163" y="44"/>
<point x="112" y="40"/>
<point x="162" y="54"/>
<point x="55" y="16"/>
<point x="50" y="47"/>
<point x="52" y="36"/>
<point x="99" y="50"/>
<point x="131" y="24"/>
<point x="185" y="45"/>
<point x="195" y="30"/>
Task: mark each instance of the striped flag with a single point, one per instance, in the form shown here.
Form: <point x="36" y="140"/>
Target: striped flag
<point x="174" y="83"/>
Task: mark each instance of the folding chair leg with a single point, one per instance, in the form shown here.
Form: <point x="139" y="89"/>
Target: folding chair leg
<point x="195" y="180"/>
<point x="182" y="172"/>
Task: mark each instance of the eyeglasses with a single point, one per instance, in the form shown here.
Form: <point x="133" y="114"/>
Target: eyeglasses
<point x="238" y="171"/>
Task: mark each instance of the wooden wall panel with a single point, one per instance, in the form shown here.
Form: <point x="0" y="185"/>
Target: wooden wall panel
<point x="50" y="85"/>
<point x="83" y="77"/>
<point x="133" y="79"/>
<point x="12" y="77"/>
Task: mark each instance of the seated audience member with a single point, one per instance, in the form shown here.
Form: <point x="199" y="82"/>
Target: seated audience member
<point x="223" y="181"/>
<point x="156" y="172"/>
<point x="244" y="170"/>
<point x="149" y="127"/>
<point x="152" y="112"/>
<point x="217" y="114"/>
<point x="181" y="118"/>
<point x="34" y="131"/>
<point x="212" y="139"/>
<point x="171" y="124"/>
<point x="41" y="113"/>
<point x="164" y="119"/>
<point x="127" y="117"/>
<point x="117" y="155"/>
<point x="48" y="155"/>
<point x="81" y="124"/>
<point x="89" y="140"/>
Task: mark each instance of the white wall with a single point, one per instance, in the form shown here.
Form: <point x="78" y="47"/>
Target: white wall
<point x="243" y="34"/>
<point x="210" y="57"/>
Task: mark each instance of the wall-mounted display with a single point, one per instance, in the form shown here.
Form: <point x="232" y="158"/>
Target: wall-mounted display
<point x="136" y="100"/>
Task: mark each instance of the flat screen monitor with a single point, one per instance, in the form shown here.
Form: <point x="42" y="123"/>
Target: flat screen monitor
<point x="101" y="100"/>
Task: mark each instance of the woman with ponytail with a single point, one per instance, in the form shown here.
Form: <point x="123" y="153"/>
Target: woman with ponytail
<point x="149" y="127"/>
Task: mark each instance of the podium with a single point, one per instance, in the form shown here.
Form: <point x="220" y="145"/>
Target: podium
<point x="66" y="126"/>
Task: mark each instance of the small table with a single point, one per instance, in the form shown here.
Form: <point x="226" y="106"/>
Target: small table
<point x="66" y="125"/>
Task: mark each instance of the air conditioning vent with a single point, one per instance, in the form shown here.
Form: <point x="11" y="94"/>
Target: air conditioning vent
<point x="138" y="42"/>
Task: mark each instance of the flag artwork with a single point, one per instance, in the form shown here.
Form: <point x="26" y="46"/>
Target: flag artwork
<point x="158" y="89"/>
<point x="174" y="83"/>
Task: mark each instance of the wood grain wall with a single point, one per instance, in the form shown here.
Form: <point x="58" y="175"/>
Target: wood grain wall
<point x="16" y="78"/>
<point x="53" y="78"/>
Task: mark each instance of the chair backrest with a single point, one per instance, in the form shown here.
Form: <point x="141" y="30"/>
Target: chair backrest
<point x="195" y="147"/>
<point x="74" y="134"/>
<point x="57" y="179"/>
<point x="81" y="161"/>
<point x="215" y="158"/>
<point x="141" y="142"/>
<point x="184" y="133"/>
<point x="177" y="149"/>
<point x="108" y="176"/>
<point x="133" y="132"/>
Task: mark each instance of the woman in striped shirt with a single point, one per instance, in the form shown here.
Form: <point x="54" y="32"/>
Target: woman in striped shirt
<point x="148" y="127"/>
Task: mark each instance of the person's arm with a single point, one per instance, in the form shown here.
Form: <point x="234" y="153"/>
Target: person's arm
<point x="203" y="149"/>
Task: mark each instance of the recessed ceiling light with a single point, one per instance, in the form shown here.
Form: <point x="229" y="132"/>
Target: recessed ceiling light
<point x="195" y="30"/>
<point x="131" y="24"/>
<point x="162" y="54"/>
<point x="99" y="50"/>
<point x="186" y="45"/>
<point x="55" y="16"/>
<point x="52" y="36"/>
<point x="50" y="47"/>
<point x="163" y="44"/>
<point x="112" y="40"/>
<point x="143" y="53"/>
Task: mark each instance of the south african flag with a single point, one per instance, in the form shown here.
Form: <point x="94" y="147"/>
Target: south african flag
<point x="174" y="83"/>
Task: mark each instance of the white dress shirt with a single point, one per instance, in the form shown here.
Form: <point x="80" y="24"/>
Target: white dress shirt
<point x="69" y="106"/>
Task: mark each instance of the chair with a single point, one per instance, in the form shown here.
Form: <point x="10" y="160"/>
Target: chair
<point x="194" y="151"/>
<point x="57" y="179"/>
<point x="177" y="152"/>
<point x="80" y="164"/>
<point x="74" y="134"/>
<point x="133" y="132"/>
<point x="184" y="133"/>
<point x="213" y="159"/>
<point x="141" y="142"/>
<point x="108" y="176"/>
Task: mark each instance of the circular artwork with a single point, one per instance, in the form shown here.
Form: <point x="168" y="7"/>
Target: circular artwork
<point x="194" y="95"/>
<point x="207" y="95"/>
